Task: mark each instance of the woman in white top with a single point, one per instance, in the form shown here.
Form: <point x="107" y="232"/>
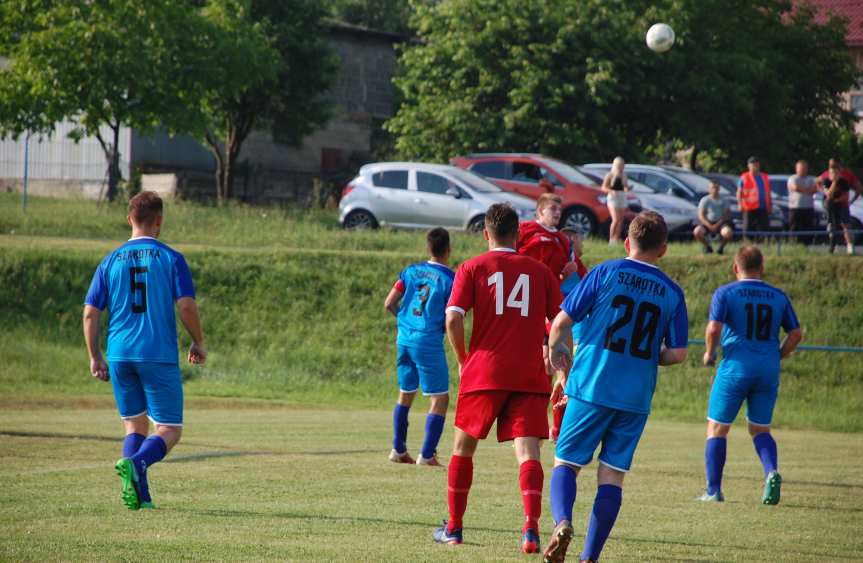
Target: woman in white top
<point x="615" y="185"/>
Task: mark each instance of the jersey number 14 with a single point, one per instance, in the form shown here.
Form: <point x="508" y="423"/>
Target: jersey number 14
<point x="519" y="297"/>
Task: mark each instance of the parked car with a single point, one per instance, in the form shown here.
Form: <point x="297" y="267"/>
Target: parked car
<point x="680" y="215"/>
<point x="532" y="175"/>
<point x="418" y="195"/>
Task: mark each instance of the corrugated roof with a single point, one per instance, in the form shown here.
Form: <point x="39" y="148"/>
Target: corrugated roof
<point x="852" y="10"/>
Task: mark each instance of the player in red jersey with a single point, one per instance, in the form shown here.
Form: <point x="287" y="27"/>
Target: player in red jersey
<point x="502" y="378"/>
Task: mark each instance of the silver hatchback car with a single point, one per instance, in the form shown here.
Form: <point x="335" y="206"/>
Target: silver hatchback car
<point x="415" y="195"/>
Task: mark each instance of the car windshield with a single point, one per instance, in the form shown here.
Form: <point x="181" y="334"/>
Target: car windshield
<point x="568" y="172"/>
<point x="474" y="181"/>
<point x="694" y="181"/>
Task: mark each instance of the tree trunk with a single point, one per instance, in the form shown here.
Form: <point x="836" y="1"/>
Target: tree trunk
<point x="112" y="155"/>
<point x="226" y="155"/>
<point x="693" y="158"/>
<point x="216" y="149"/>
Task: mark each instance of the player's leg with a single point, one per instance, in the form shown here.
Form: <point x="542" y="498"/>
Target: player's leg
<point x="759" y="413"/>
<point x="132" y="406"/>
<point x="849" y="238"/>
<point x="408" y="377"/>
<point x="434" y="379"/>
<point x="726" y="396"/>
<point x="618" y="449"/>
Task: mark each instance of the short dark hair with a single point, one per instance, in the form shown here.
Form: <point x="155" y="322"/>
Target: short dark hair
<point x="501" y="220"/>
<point x="648" y="231"/>
<point x="145" y="207"/>
<point x="437" y="242"/>
<point x="749" y="258"/>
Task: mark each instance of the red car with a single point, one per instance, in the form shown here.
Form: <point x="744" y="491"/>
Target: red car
<point x="532" y="175"/>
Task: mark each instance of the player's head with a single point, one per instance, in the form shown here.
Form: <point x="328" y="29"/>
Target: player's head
<point x="748" y="262"/>
<point x="437" y="243"/>
<point x="834" y="162"/>
<point x="501" y="225"/>
<point x="754" y="164"/>
<point x="145" y="212"/>
<point x="648" y="236"/>
<point x="801" y="168"/>
<point x="548" y="209"/>
<point x="713" y="189"/>
<point x="834" y="169"/>
<point x="574" y="239"/>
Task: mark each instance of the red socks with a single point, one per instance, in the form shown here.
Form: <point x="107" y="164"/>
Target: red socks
<point x="459" y="479"/>
<point x="530" y="477"/>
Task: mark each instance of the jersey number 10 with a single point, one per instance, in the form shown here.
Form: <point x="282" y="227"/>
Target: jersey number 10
<point x="759" y="318"/>
<point x="519" y="297"/>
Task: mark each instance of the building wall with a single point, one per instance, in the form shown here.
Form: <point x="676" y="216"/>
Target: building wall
<point x="855" y="95"/>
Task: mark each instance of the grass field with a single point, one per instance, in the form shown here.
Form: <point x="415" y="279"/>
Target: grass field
<point x="254" y="481"/>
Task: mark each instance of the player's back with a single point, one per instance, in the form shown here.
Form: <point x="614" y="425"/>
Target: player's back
<point x="511" y="296"/>
<point x="138" y="283"/>
<point x="752" y="312"/>
<point x="627" y="309"/>
<point x="549" y="246"/>
<point x="426" y="287"/>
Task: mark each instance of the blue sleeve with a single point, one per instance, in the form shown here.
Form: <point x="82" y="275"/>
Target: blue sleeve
<point x="740" y="182"/>
<point x="789" y="317"/>
<point x="677" y="334"/>
<point x="718" y="308"/>
<point x="183" y="286"/>
<point x="580" y="300"/>
<point x="97" y="295"/>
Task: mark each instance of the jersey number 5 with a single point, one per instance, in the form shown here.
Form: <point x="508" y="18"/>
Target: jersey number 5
<point x="519" y="297"/>
<point x="138" y="287"/>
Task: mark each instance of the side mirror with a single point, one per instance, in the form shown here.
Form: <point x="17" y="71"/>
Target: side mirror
<point x="454" y="192"/>
<point x="546" y="185"/>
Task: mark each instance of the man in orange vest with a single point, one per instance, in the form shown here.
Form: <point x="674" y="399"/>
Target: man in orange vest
<point x="753" y="196"/>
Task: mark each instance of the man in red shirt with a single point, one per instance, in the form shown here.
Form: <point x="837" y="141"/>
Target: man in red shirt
<point x="502" y="378"/>
<point x="837" y="201"/>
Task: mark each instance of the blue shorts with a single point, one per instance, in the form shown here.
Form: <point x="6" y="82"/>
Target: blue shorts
<point x="424" y="367"/>
<point x="586" y="425"/>
<point x="151" y="388"/>
<point x="729" y="392"/>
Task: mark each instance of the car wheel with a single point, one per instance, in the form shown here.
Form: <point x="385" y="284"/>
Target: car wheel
<point x="580" y="220"/>
<point x="360" y="220"/>
<point x="476" y="225"/>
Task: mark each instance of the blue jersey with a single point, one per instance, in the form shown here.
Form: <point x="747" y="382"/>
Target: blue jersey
<point x="752" y="312"/>
<point x="627" y="310"/>
<point x="426" y="287"/>
<point x="138" y="284"/>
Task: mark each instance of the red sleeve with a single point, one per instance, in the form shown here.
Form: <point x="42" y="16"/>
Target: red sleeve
<point x="462" y="297"/>
<point x="582" y="269"/>
<point x="399" y="285"/>
<point x="555" y="298"/>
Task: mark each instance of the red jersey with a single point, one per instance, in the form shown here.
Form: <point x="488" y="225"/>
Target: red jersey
<point x="511" y="296"/>
<point x="850" y="177"/>
<point x="549" y="246"/>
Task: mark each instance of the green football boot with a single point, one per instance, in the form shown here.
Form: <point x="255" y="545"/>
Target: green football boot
<point x="715" y="497"/>
<point x="772" y="485"/>
<point x="129" y="481"/>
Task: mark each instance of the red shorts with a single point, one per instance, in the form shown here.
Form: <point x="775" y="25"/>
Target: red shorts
<point x="518" y="415"/>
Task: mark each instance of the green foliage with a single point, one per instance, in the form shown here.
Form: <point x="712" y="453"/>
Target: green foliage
<point x="383" y="15"/>
<point x="575" y="80"/>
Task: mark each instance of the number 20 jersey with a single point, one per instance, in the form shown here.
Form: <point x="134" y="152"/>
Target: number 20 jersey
<point x="752" y="312"/>
<point x="138" y="283"/>
<point x="628" y="309"/>
<point x="511" y="296"/>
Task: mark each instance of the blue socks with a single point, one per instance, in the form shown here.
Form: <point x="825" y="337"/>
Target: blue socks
<point x="605" y="509"/>
<point x="153" y="449"/>
<point x="563" y="489"/>
<point x="132" y="443"/>
<point x="765" y="447"/>
<point x="714" y="463"/>
<point x="434" y="428"/>
<point x="400" y="428"/>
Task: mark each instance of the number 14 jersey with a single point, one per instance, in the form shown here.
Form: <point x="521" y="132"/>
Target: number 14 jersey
<point x="511" y="295"/>
<point x="628" y="309"/>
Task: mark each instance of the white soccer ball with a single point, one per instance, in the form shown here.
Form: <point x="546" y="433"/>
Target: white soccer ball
<point x="660" y="37"/>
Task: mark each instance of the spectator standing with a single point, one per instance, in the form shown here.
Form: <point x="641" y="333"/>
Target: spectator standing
<point x="714" y="216"/>
<point x="801" y="204"/>
<point x="753" y="196"/>
<point x="615" y="185"/>
<point x="837" y="205"/>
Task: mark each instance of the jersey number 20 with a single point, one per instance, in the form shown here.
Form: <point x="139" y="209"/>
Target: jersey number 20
<point x="643" y="331"/>
<point x="519" y="297"/>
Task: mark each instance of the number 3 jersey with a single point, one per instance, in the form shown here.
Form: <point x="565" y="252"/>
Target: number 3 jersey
<point x="138" y="283"/>
<point x="752" y="312"/>
<point x="511" y="296"/>
<point x="426" y="287"/>
<point x="628" y="309"/>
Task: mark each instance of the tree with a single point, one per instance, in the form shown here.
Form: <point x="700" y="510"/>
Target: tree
<point x="575" y="80"/>
<point x="274" y="69"/>
<point x="102" y="65"/>
<point x="383" y="15"/>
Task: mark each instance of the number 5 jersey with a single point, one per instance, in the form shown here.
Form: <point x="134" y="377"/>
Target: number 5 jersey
<point x="138" y="283"/>
<point x="628" y="309"/>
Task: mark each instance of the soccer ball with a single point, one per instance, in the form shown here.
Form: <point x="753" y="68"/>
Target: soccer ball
<point x="660" y="37"/>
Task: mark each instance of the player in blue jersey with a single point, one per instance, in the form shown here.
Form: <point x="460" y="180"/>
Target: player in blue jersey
<point x="633" y="318"/>
<point x="747" y="316"/>
<point x="139" y="284"/>
<point x="418" y="300"/>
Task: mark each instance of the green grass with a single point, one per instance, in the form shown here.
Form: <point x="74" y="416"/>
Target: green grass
<point x="275" y="483"/>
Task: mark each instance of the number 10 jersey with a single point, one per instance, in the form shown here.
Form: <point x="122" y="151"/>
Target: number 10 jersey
<point x="138" y="283"/>
<point x="628" y="309"/>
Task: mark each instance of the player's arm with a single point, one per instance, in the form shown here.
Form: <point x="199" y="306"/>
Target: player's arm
<point x="672" y="356"/>
<point x="789" y="344"/>
<point x="455" y="334"/>
<point x="711" y="342"/>
<point x="560" y="342"/>
<point x="393" y="301"/>
<point x="92" y="318"/>
<point x="188" y="309"/>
